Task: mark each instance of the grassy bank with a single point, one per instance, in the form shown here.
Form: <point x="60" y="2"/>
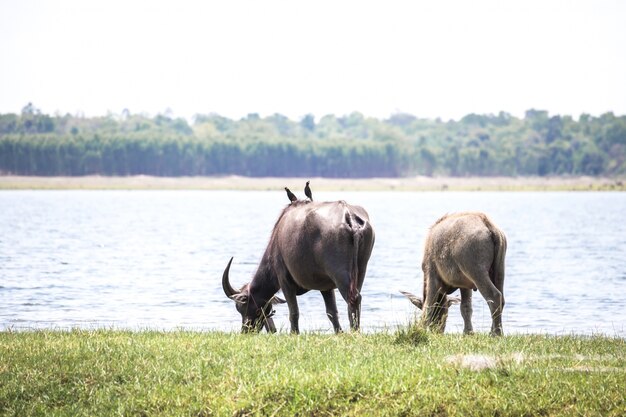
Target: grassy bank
<point x="320" y="184"/>
<point x="199" y="374"/>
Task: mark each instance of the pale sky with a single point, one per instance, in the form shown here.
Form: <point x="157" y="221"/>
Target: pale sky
<point x="233" y="57"/>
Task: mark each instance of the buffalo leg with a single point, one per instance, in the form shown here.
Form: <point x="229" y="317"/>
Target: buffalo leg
<point x="289" y="291"/>
<point x="435" y="308"/>
<point x="354" y="306"/>
<point x="354" y="310"/>
<point x="331" y="309"/>
<point x="269" y="325"/>
<point x="466" y="310"/>
<point x="294" y="311"/>
<point x="495" y="301"/>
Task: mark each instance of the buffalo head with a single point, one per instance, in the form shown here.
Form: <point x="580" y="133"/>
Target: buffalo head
<point x="438" y="312"/>
<point x="256" y="311"/>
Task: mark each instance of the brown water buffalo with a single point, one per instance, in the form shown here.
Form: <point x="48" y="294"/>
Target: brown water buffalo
<point x="314" y="246"/>
<point x="464" y="251"/>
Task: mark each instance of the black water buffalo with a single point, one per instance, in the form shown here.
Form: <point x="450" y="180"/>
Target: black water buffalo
<point x="314" y="246"/>
<point x="463" y="251"/>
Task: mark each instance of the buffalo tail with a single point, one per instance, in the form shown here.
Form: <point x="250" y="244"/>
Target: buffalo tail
<point x="356" y="224"/>
<point x="500" y="244"/>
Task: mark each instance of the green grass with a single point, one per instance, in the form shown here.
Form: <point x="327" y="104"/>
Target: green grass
<point x="110" y="372"/>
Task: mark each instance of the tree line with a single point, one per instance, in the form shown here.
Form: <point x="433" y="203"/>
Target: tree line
<point x="33" y="143"/>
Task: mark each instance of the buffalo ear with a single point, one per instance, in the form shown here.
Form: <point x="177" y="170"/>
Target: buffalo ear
<point x="454" y="300"/>
<point x="419" y="303"/>
<point x="239" y="298"/>
<point x="277" y="300"/>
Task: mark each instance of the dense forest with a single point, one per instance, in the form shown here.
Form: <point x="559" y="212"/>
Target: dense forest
<point x="33" y="143"/>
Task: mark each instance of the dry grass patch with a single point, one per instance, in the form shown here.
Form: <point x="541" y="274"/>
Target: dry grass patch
<point x="419" y="183"/>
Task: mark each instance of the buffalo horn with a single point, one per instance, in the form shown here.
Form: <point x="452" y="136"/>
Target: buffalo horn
<point x="419" y="303"/>
<point x="228" y="289"/>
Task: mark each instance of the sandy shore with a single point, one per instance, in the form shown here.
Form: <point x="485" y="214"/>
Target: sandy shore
<point x="142" y="182"/>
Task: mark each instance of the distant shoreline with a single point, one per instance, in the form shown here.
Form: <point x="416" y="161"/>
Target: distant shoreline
<point x="418" y="183"/>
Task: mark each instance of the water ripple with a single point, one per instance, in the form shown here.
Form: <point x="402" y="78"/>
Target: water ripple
<point x="77" y="259"/>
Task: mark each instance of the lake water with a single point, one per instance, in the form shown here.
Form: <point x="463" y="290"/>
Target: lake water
<point x="154" y="259"/>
